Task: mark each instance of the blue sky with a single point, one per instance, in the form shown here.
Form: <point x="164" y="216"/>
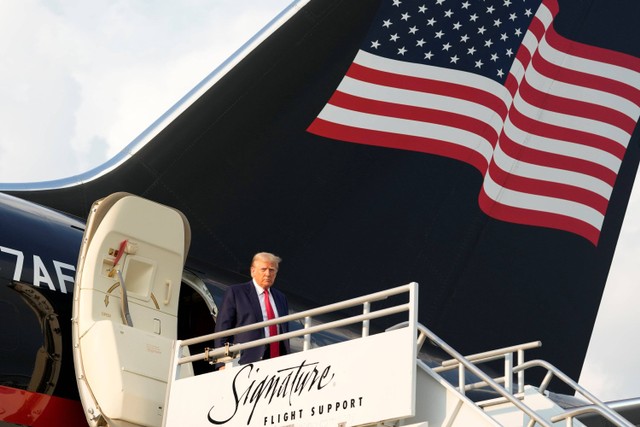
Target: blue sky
<point x="82" y="79"/>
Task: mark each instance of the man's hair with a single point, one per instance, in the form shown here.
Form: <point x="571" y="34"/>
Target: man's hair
<point x="266" y="256"/>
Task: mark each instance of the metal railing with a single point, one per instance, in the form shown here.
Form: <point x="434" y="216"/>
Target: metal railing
<point x="598" y="406"/>
<point x="221" y="353"/>
<point x="505" y="353"/>
<point x="461" y="362"/>
<point x="458" y="361"/>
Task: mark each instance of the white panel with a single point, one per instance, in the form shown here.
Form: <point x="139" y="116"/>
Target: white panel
<point x="355" y="382"/>
<point x="130" y="385"/>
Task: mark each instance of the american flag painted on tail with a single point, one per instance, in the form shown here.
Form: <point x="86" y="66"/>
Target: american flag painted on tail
<point x="546" y="120"/>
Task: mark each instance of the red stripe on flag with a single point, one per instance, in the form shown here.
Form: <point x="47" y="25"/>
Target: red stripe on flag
<point x="398" y="141"/>
<point x="588" y="110"/>
<point x="431" y="86"/>
<point x="550" y="131"/>
<point x="410" y="112"/>
<point x="557" y="161"/>
<point x="593" y="53"/>
<point x="537" y="218"/>
<point x="548" y="189"/>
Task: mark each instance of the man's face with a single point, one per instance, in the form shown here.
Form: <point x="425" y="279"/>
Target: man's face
<point x="264" y="273"/>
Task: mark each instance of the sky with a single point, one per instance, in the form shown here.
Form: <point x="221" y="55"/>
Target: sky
<point x="82" y="79"/>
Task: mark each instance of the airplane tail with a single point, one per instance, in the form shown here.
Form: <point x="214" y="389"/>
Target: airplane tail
<point x="501" y="191"/>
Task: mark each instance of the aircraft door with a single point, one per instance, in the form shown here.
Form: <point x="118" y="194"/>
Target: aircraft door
<point x="125" y="308"/>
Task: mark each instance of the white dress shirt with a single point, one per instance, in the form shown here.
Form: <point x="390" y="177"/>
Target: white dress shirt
<point x="263" y="307"/>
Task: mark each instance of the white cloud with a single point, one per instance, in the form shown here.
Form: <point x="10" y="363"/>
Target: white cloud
<point x="83" y="72"/>
<point x="40" y="96"/>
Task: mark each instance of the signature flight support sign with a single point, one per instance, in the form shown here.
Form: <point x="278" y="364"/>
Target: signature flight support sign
<point x="355" y="382"/>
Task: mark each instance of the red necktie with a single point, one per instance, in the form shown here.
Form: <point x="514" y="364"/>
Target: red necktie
<point x="274" y="348"/>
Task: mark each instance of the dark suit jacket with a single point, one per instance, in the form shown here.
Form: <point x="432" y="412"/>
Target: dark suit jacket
<point x="240" y="307"/>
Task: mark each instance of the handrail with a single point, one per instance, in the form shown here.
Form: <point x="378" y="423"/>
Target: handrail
<point x="459" y="361"/>
<point x="367" y="299"/>
<point x="463" y="361"/>
<point x="607" y="412"/>
<point x="220" y="351"/>
<point x="408" y="306"/>
<point x="600" y="407"/>
<point x="488" y="356"/>
<point x="569" y="414"/>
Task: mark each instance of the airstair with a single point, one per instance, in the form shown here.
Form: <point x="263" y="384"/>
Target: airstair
<point x="131" y="371"/>
<point x="371" y="380"/>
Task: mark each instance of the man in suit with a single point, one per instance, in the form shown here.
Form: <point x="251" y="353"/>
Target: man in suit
<point x="251" y="302"/>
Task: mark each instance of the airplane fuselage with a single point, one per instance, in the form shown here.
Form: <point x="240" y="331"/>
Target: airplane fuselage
<point x="38" y="252"/>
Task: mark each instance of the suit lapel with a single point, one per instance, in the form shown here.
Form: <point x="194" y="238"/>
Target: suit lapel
<point x="252" y="295"/>
<point x="279" y="300"/>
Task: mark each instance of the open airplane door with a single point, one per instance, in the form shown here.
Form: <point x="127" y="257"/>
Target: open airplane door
<point x="125" y="308"/>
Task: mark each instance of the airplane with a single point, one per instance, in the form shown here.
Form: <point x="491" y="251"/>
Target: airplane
<point x="256" y="157"/>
